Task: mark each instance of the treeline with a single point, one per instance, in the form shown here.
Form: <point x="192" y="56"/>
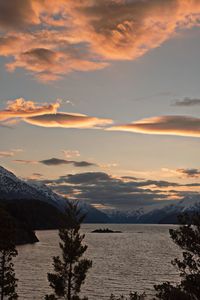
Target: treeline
<point x="34" y="213"/>
<point x="23" y="233"/>
<point x="70" y="268"/>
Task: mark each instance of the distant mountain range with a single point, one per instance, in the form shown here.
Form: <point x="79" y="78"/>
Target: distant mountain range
<point x="39" y="207"/>
<point x="161" y="213"/>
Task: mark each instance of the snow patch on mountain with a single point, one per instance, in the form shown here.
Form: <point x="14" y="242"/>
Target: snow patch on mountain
<point x="11" y="187"/>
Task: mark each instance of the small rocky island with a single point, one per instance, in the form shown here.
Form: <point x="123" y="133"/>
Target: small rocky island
<point x="105" y="230"/>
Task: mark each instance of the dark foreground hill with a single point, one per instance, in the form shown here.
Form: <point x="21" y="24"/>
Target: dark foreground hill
<point x="23" y="234"/>
<point x="37" y="207"/>
<point x="36" y="214"/>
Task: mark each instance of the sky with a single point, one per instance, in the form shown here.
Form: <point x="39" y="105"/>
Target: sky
<point x="106" y="90"/>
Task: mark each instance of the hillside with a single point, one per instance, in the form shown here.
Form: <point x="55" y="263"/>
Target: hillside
<point x="37" y="205"/>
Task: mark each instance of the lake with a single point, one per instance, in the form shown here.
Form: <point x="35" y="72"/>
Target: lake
<point x="133" y="260"/>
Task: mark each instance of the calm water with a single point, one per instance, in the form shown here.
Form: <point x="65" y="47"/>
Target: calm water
<point x="133" y="260"/>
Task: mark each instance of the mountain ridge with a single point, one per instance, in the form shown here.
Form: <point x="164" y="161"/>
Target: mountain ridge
<point x="32" y="196"/>
<point x="48" y="207"/>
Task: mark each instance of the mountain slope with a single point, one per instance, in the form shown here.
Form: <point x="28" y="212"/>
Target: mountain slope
<point x="159" y="214"/>
<point x="44" y="209"/>
<point x="11" y="187"/>
<point x="22" y="233"/>
<point x="37" y="204"/>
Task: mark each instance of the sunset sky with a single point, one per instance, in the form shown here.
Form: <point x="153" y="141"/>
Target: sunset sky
<point x="109" y="89"/>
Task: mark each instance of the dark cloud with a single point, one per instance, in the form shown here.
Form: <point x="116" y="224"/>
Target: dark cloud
<point x="193" y="184"/>
<point x="131" y="178"/>
<point x="25" y="161"/>
<point x="116" y="192"/>
<point x="83" y="164"/>
<point x="158" y="183"/>
<point x="57" y="161"/>
<point x="84" y="178"/>
<point x="17" y="14"/>
<point x="37" y="174"/>
<point x="189" y="172"/>
<point x="40" y="55"/>
<point x="187" y="102"/>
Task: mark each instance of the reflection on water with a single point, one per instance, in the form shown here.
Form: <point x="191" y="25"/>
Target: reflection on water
<point x="135" y="259"/>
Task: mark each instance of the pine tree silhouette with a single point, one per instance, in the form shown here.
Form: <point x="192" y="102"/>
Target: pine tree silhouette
<point x="70" y="269"/>
<point x="187" y="237"/>
<point x="132" y="296"/>
<point x="8" y="282"/>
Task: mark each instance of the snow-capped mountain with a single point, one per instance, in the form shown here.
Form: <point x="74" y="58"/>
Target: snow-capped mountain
<point x="13" y="188"/>
<point x="28" y="194"/>
<point x="162" y="212"/>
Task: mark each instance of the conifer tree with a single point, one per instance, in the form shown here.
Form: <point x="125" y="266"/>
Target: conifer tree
<point x="187" y="237"/>
<point x="132" y="296"/>
<point x="70" y="269"/>
<point x="8" y="282"/>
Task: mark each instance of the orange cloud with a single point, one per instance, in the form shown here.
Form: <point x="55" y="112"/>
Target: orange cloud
<point x="50" y="65"/>
<point x="25" y="161"/>
<point x="8" y="44"/>
<point x="51" y="38"/>
<point x="17" y="14"/>
<point x="189" y="172"/>
<point x="67" y="120"/>
<point x="164" y="125"/>
<point x="71" y="153"/>
<point x="6" y="153"/>
<point x="10" y="153"/>
<point x="21" y="108"/>
<point x="46" y="115"/>
<point x="135" y="27"/>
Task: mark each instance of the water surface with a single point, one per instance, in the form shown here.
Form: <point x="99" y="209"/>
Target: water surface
<point x="133" y="260"/>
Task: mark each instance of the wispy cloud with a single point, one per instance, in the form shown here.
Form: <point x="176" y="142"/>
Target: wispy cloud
<point x="187" y="102"/>
<point x="10" y="153"/>
<point x="6" y="153"/>
<point x="25" y="161"/>
<point x="17" y="150"/>
<point x="164" y="125"/>
<point x="71" y="153"/>
<point x="190" y="173"/>
<point x="53" y="38"/>
<point x="38" y="175"/>
<point x="35" y="176"/>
